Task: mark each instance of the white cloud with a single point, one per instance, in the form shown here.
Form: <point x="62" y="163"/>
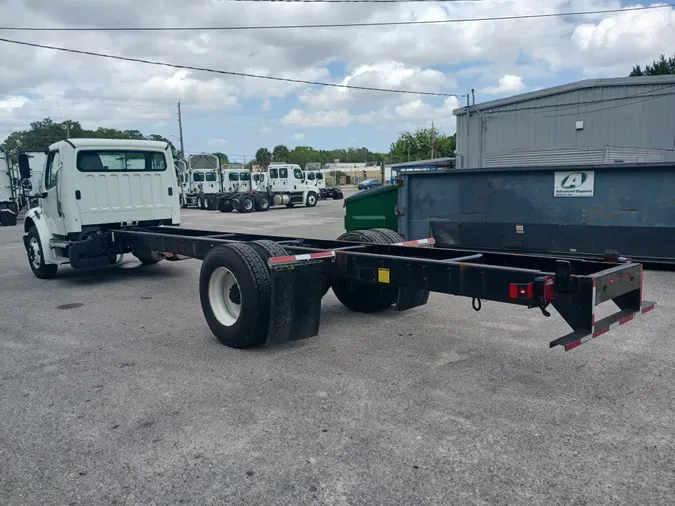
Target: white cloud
<point x="508" y="83"/>
<point x="298" y="136"/>
<point x="218" y="143"/>
<point x="100" y="92"/>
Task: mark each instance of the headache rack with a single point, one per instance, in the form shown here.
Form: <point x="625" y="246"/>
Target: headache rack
<point x="413" y="269"/>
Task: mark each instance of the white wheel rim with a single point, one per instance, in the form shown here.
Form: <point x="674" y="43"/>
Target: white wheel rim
<point x="224" y="296"/>
<point x="264" y="204"/>
<point x="248" y="204"/>
<point x="312" y="199"/>
<point x="199" y="202"/>
<point x="35" y="249"/>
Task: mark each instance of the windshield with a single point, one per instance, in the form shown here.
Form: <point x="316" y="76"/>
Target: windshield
<point x="120" y="161"/>
<point x="319" y="176"/>
<point x="211" y="176"/>
<point x="310" y="176"/>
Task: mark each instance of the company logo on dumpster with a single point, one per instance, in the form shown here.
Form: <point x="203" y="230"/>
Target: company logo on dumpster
<point x="574" y="184"/>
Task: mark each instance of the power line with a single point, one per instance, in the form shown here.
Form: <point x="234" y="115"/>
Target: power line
<point x="353" y="1"/>
<point x="329" y="25"/>
<point x="224" y="72"/>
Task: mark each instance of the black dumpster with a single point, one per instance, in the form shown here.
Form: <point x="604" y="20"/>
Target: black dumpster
<point x="582" y="211"/>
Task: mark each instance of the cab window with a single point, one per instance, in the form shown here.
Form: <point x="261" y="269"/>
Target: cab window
<point x="310" y="176"/>
<point x="283" y="173"/>
<point x="211" y="177"/>
<point x="274" y="174"/>
<point x="319" y="176"/>
<point x="297" y="173"/>
<point x="198" y="177"/>
<point x="53" y="166"/>
<point x="233" y="176"/>
<point x="244" y="176"/>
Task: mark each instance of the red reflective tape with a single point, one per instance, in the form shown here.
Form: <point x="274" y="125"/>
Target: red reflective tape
<point x="529" y="290"/>
<point x="299" y="258"/>
<point x="513" y="290"/>
<point x="573" y="345"/>
<point x="648" y="309"/>
<point x="626" y="319"/>
<point x="600" y="332"/>
<point x="282" y="260"/>
<point x="417" y="242"/>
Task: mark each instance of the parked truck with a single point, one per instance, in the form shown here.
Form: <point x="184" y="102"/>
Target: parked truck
<point x="281" y="184"/>
<point x="9" y="205"/>
<point x="103" y="199"/>
<point x="314" y="175"/>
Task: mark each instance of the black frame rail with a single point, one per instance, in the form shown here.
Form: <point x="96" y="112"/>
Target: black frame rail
<point x="574" y="287"/>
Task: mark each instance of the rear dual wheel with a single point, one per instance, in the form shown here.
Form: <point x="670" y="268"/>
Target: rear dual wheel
<point x="361" y="296"/>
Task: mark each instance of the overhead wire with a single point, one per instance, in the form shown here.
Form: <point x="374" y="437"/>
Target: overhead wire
<point x="224" y="72"/>
<point x="330" y="25"/>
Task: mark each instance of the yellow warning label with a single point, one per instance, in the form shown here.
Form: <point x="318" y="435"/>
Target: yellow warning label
<point x="383" y="275"/>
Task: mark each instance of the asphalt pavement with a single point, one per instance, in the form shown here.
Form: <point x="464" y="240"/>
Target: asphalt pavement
<point x="114" y="391"/>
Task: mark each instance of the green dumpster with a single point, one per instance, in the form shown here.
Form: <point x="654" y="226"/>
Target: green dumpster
<point x="374" y="208"/>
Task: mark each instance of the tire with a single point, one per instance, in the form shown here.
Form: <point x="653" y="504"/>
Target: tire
<point x="36" y="257"/>
<point x="224" y="206"/>
<point x="183" y="204"/>
<point x="200" y="203"/>
<point x="262" y="203"/>
<point x="148" y="257"/>
<point x="267" y="249"/>
<point x="239" y="318"/>
<point x="205" y="203"/>
<point x="387" y="234"/>
<point x="311" y="199"/>
<point x="360" y="296"/>
<point x="246" y="205"/>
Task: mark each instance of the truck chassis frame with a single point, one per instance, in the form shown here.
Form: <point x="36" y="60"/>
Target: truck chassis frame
<point x="293" y="274"/>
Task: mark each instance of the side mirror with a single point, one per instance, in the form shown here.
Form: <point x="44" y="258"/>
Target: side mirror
<point x="24" y="166"/>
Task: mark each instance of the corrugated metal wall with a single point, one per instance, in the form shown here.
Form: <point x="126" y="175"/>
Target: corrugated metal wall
<point x="535" y="129"/>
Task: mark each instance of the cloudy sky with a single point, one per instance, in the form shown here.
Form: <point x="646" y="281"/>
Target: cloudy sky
<point x="237" y="115"/>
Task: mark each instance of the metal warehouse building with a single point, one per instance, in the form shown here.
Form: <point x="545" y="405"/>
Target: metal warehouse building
<point x="594" y="121"/>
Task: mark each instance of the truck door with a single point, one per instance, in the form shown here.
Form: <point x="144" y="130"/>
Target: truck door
<point x="283" y="183"/>
<point x="297" y="179"/>
<point x="274" y="179"/>
<point x="51" y="204"/>
<point x="244" y="181"/>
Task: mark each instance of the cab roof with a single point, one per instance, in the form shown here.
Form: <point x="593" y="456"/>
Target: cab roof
<point x="115" y="143"/>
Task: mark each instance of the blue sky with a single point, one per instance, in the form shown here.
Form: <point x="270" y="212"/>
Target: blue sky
<point x="238" y="115"/>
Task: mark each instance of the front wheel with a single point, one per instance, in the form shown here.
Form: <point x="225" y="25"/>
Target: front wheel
<point x="263" y="203"/>
<point x="311" y="200"/>
<point x="36" y="257"/>
<point x="246" y="205"/>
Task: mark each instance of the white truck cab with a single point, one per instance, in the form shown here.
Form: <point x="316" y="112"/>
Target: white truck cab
<point x="91" y="187"/>
<point x="289" y="182"/>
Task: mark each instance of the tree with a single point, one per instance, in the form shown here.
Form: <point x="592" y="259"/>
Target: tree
<point x="662" y="66"/>
<point x="263" y="157"/>
<point x="417" y="145"/>
<point x="280" y="153"/>
<point x="45" y="132"/>
<point x="222" y="157"/>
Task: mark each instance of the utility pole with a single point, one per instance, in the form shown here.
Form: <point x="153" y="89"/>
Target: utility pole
<point x="66" y="127"/>
<point x="180" y="131"/>
<point x="433" y="137"/>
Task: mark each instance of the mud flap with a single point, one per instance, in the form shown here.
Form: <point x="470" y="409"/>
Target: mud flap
<point x="296" y="303"/>
<point x="409" y="298"/>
